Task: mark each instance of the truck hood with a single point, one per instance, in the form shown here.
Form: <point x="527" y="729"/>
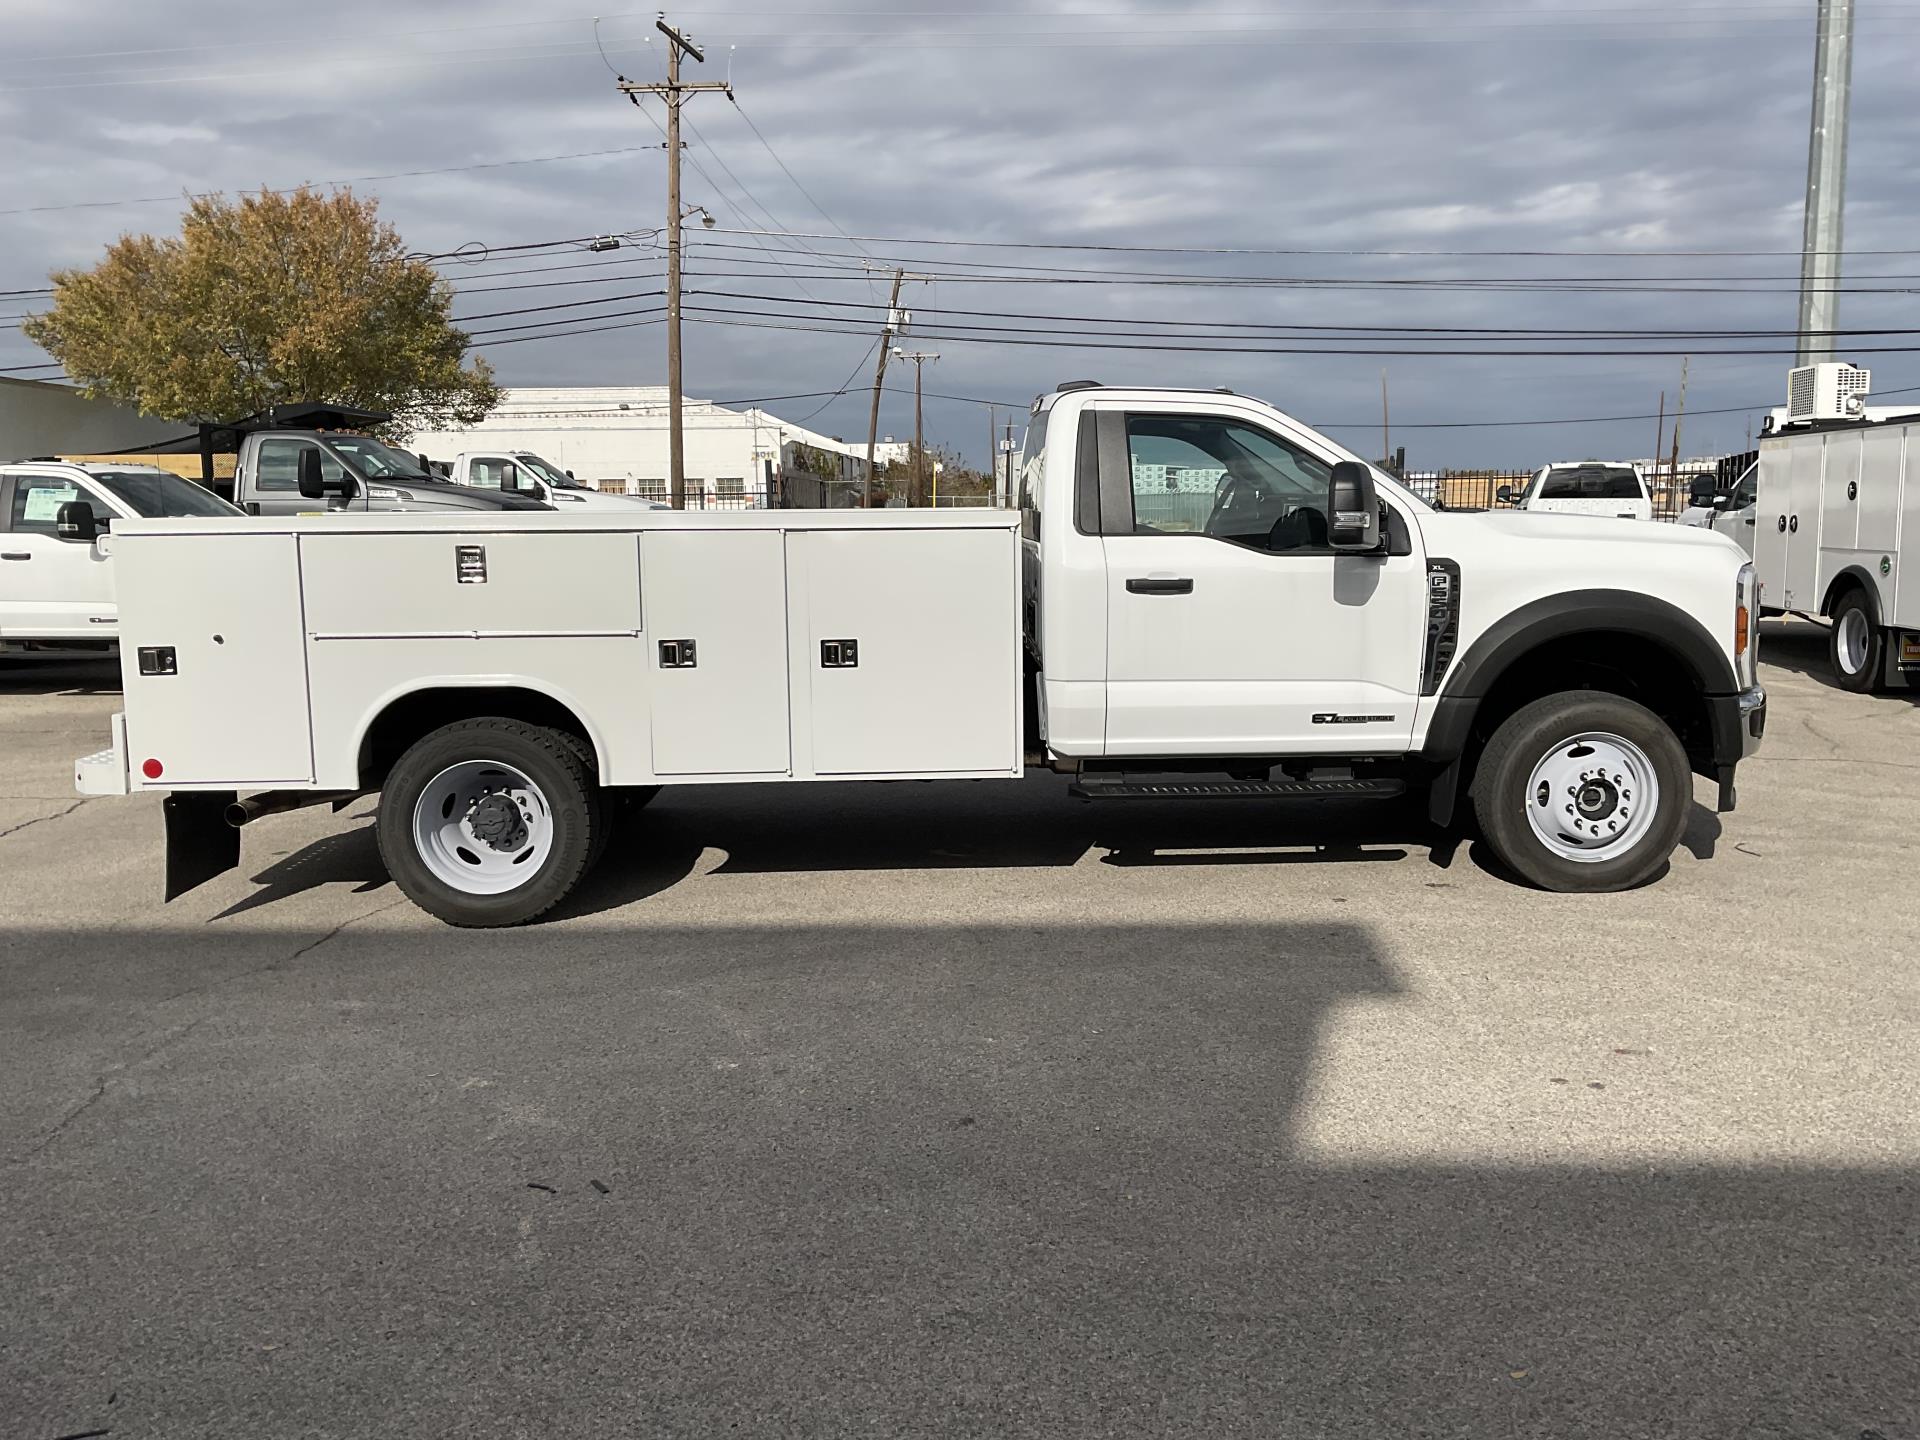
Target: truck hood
<point x="1513" y="530"/>
<point x="440" y="495"/>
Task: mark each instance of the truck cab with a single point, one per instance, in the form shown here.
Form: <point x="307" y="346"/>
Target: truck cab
<point x="356" y="472"/>
<point x="56" y="584"/>
<point x="522" y="472"/>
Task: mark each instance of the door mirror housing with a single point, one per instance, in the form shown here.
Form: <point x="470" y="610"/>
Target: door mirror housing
<point x="76" y="521"/>
<point x="1504" y="495"/>
<point x="1353" y="508"/>
<point x="312" y="479"/>
<point x="1700" y="490"/>
<point x="510" y="476"/>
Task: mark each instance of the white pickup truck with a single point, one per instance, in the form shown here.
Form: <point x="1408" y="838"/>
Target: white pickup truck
<point x="56" y="588"/>
<point x="1584" y="487"/>
<point x="522" y="472"/>
<point x="1198" y="596"/>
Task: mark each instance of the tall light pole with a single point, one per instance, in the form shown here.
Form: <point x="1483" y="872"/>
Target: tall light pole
<point x="674" y="93"/>
<point x="1826" y="182"/>
<point x="919" y="359"/>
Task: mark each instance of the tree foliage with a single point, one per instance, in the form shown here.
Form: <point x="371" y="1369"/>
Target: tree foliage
<point x="266" y="300"/>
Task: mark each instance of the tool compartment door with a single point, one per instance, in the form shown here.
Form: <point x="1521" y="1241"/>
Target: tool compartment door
<point x="234" y="711"/>
<point x="932" y="687"/>
<point x="721" y="710"/>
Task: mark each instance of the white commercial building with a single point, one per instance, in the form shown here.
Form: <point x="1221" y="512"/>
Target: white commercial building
<point x="616" y="438"/>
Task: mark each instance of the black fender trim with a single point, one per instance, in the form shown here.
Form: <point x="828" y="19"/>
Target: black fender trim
<point x="1839" y="585"/>
<point x="1556" y="617"/>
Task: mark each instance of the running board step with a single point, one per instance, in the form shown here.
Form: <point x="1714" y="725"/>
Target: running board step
<point x="1095" y="788"/>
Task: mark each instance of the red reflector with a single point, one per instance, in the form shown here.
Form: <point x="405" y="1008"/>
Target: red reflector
<point x="150" y="769"/>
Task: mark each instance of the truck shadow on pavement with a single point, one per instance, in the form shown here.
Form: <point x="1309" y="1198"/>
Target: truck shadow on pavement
<point x="1032" y="823"/>
<point x="913" y="1179"/>
<point x="31" y="675"/>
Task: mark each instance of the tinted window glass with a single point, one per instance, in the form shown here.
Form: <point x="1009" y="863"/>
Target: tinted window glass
<point x="278" y="466"/>
<point x="154" y="495"/>
<point x="1195" y="474"/>
<point x="37" y="500"/>
<point x="1613" y="482"/>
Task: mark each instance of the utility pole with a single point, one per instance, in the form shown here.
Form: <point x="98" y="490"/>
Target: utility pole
<point x="919" y="359"/>
<point x="1659" y="440"/>
<point x="673" y="92"/>
<point x="880" y="372"/>
<point x="1826" y="181"/>
<point x="1679" y="414"/>
<point x="1009" y="490"/>
<point x="1386" y="440"/>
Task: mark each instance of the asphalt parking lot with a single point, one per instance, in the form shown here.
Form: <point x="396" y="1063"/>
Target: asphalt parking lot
<point x="895" y="1110"/>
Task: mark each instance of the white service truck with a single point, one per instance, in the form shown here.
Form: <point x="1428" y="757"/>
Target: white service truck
<point x="1836" y="497"/>
<point x="1310" y="629"/>
<point x="521" y="472"/>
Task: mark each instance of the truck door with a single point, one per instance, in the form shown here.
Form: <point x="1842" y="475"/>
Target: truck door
<point x="1233" y="627"/>
<point x="1736" y="519"/>
<point x="270" y="485"/>
<point x="52" y="588"/>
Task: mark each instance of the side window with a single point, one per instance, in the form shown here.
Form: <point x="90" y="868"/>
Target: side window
<point x="277" y="466"/>
<point x="651" y="488"/>
<point x="1033" y="467"/>
<point x="37" y="500"/>
<point x="1205" y="475"/>
<point x="1747" y="491"/>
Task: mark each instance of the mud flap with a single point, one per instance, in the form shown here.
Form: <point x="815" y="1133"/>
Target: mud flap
<point x="200" y="842"/>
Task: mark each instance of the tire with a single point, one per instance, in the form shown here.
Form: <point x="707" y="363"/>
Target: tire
<point x="599" y="797"/>
<point x="1609" y="842"/>
<point x="1856" y="647"/>
<point x="454" y="841"/>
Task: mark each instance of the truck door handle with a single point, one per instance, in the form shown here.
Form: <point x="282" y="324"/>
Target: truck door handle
<point x="1749" y="519"/>
<point x="1154" y="585"/>
<point x="17" y="555"/>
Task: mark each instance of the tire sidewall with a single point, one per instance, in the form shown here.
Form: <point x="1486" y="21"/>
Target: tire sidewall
<point x="546" y="759"/>
<point x="1501" y="798"/>
<point x="1862" y="681"/>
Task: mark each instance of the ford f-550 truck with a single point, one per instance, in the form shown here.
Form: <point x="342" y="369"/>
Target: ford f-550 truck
<point x="1197" y="596"/>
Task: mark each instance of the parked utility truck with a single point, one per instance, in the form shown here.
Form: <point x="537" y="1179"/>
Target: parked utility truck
<point x="521" y="472"/>
<point x="1312" y="631"/>
<point x="1837" y="500"/>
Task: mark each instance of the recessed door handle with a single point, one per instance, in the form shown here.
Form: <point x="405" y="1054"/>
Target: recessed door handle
<point x="17" y="555"/>
<point x="1156" y="586"/>
<point x="1749" y="520"/>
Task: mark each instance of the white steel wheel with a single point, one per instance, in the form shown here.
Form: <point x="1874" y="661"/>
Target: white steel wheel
<point x="1852" y="638"/>
<point x="482" y="827"/>
<point x="1592" y="797"/>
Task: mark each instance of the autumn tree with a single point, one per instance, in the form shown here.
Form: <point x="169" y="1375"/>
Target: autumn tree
<point x="265" y="300"/>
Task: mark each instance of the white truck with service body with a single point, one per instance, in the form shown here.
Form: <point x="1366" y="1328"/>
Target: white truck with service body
<point x="56" y="587"/>
<point x="1305" y="627"/>
<point x="522" y="472"/>
<point x="1837" y="498"/>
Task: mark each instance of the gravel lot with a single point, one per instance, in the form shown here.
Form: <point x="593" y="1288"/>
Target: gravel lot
<point x="902" y="1109"/>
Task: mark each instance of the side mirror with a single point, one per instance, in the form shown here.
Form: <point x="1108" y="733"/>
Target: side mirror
<point x="76" y="521"/>
<point x="1353" y="508"/>
<point x="510" y="476"/>
<point x="570" y="474"/>
<point x="313" y="484"/>
<point x="1504" y="494"/>
<point x="1700" y="490"/>
<point x="426" y="465"/>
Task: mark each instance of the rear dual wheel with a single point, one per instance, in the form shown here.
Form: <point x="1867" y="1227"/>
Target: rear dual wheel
<point x="490" y="822"/>
<point x="1856" y="645"/>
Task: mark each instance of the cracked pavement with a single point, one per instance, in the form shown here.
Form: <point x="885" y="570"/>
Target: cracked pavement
<point x="899" y="1110"/>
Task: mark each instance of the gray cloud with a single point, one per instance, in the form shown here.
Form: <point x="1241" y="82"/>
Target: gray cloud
<point x="1478" y="127"/>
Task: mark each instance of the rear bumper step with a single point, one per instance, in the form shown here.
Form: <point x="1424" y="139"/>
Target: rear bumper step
<point x="1095" y="788"/>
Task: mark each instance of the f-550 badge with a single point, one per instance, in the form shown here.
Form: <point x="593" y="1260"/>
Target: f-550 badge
<point x="1329" y="718"/>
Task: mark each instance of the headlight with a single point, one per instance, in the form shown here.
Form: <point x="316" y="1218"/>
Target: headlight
<point x="1746" y="615"/>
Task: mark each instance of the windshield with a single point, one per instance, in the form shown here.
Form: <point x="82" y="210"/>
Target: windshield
<point x="559" y="479"/>
<point x="153" y="494"/>
<point x="378" y="461"/>
<point x="1591" y="482"/>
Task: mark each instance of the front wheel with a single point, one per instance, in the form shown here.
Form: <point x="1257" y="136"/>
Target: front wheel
<point x="488" y="822"/>
<point x="1856" y="644"/>
<point x="1583" y="792"/>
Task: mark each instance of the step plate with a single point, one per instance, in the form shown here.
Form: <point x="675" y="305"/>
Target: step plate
<point x="1237" y="789"/>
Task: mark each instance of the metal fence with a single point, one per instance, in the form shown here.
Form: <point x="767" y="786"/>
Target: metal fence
<point x="1480" y="489"/>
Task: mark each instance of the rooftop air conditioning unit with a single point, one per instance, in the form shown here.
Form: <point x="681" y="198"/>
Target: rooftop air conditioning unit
<point x="1830" y="391"/>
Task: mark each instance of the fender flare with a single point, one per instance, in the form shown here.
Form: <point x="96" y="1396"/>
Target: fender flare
<point x="420" y="685"/>
<point x="1556" y="617"/>
<point x="1853" y="575"/>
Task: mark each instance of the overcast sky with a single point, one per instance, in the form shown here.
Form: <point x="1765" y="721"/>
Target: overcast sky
<point x="1614" y="126"/>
